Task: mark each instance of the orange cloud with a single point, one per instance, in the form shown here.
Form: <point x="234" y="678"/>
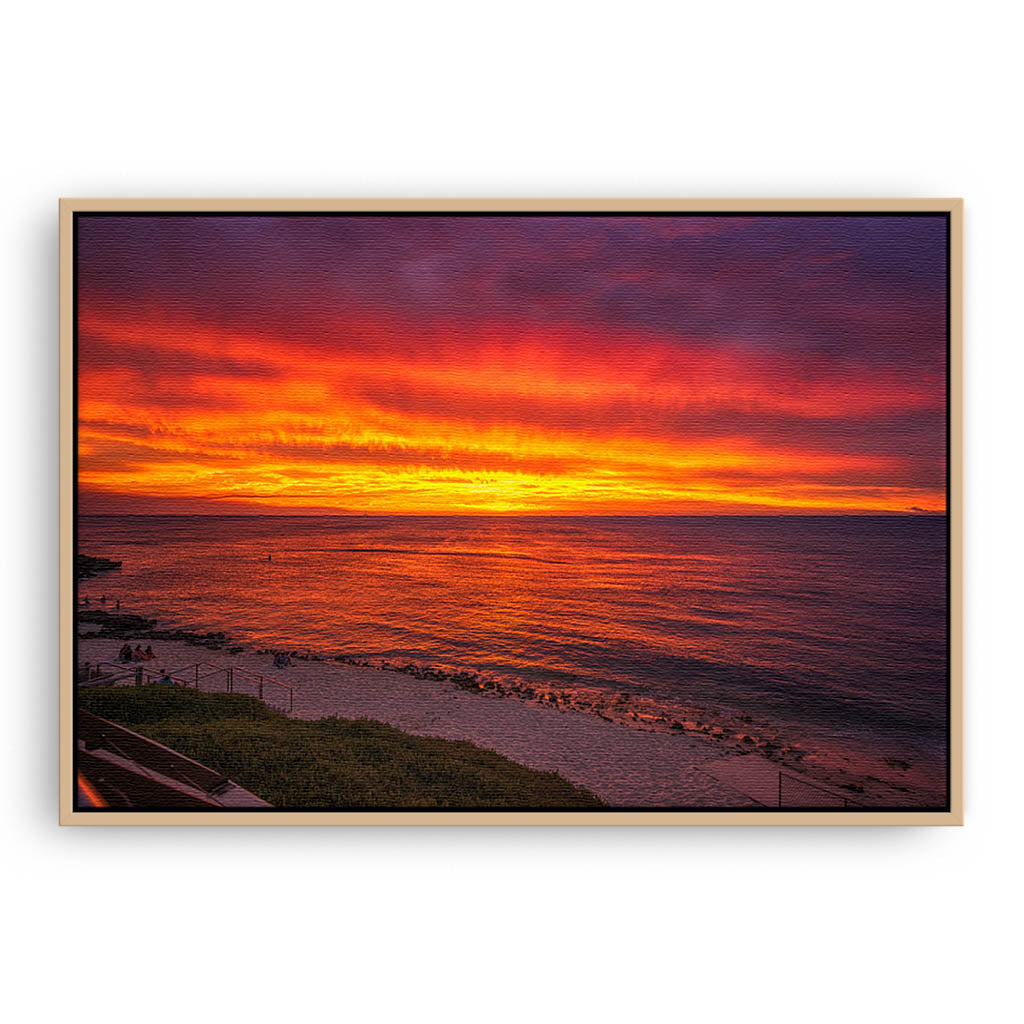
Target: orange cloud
<point x="375" y="415"/>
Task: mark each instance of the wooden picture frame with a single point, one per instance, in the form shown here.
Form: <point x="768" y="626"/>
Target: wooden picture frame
<point x="951" y="810"/>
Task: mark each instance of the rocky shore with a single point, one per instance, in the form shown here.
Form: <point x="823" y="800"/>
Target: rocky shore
<point x="88" y="566"/>
<point x="351" y="686"/>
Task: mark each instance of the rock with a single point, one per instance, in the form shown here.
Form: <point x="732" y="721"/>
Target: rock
<point x="87" y="566"/>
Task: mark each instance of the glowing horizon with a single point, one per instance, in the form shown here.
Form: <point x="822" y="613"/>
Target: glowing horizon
<point x="605" y="366"/>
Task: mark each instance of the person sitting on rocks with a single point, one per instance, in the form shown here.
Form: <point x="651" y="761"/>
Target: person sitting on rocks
<point x="148" y="653"/>
<point x="125" y="654"/>
<point x="137" y="654"/>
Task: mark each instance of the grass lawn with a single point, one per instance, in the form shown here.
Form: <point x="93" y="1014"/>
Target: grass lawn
<point x="331" y="763"/>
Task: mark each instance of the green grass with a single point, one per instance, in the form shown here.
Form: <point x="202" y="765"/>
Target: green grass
<point x="333" y="763"/>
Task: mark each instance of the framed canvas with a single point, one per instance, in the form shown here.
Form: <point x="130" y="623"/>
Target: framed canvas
<point x="511" y="512"/>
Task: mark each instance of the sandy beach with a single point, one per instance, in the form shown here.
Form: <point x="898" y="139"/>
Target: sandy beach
<point x="624" y="767"/>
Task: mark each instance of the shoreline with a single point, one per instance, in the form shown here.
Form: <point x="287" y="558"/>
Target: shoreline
<point x="609" y="745"/>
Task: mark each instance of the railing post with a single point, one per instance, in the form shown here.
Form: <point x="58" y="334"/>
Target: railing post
<point x="197" y="675"/>
<point x="138" y="676"/>
<point x="291" y="700"/>
<point x="231" y="680"/>
<point x="261" y="687"/>
<point x="87" y="676"/>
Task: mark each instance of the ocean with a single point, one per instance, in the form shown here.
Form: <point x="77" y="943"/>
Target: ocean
<point x="821" y="636"/>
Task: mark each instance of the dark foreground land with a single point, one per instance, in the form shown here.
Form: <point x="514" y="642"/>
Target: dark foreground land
<point x="331" y="763"/>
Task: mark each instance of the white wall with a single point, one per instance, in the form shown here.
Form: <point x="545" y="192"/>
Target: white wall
<point x="594" y="99"/>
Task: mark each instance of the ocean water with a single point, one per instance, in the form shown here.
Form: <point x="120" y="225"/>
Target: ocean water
<point x="823" y="638"/>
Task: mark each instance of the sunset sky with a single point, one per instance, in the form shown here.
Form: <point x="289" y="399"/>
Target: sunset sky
<point x="460" y="364"/>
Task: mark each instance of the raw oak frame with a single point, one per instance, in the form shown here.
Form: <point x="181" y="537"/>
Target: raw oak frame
<point x="955" y="813"/>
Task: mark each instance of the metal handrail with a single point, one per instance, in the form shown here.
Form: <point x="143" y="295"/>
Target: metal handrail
<point x="257" y="675"/>
<point x="122" y="671"/>
<point x="137" y="672"/>
<point x="258" y="678"/>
